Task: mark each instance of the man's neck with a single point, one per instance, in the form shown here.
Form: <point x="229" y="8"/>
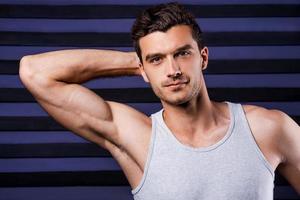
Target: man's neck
<point x="200" y="122"/>
<point x="194" y="118"/>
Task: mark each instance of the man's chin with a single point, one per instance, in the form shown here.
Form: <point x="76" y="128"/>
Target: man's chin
<point x="174" y="98"/>
<point x="176" y="101"/>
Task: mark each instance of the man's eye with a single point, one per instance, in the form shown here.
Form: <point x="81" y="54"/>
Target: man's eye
<point x="183" y="53"/>
<point x="155" y="60"/>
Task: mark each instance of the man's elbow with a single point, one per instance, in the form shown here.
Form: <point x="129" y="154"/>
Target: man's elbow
<point x="29" y="72"/>
<point x="26" y="71"/>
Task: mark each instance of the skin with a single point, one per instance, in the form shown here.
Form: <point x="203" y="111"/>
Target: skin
<point x="173" y="65"/>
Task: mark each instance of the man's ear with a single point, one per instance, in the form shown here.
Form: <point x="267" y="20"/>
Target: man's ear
<point x="143" y="73"/>
<point x="204" y="54"/>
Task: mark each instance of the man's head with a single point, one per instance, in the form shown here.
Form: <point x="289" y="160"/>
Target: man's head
<point x="169" y="44"/>
<point x="161" y="18"/>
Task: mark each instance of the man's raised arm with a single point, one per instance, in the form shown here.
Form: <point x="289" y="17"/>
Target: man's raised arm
<point x="53" y="78"/>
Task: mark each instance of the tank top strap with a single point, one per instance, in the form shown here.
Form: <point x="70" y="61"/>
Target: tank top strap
<point x="248" y="135"/>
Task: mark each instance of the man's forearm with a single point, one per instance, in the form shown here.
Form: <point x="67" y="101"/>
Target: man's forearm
<point x="77" y="66"/>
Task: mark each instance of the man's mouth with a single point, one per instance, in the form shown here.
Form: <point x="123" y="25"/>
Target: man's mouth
<point x="176" y="82"/>
<point x="176" y="85"/>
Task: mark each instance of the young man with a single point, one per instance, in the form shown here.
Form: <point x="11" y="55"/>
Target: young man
<point x="192" y="149"/>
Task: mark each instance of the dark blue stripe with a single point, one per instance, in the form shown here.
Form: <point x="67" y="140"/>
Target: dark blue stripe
<point x="240" y="52"/>
<point x="36" y="137"/>
<point x="60" y="193"/>
<point x="33" y="109"/>
<point x="57" y="164"/>
<point x="124" y="25"/>
<point x="223" y="81"/>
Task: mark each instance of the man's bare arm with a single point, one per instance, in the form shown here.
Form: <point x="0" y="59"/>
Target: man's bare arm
<point x="278" y="136"/>
<point x="290" y="148"/>
<point x="54" y="79"/>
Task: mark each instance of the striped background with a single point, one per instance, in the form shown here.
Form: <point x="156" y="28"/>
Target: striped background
<point x="254" y="58"/>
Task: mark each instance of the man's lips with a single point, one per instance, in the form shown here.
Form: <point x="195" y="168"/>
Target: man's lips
<point x="176" y="83"/>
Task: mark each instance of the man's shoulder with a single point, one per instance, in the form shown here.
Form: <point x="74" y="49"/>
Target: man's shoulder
<point x="269" y="127"/>
<point x="268" y="120"/>
<point x="128" y="115"/>
<point x="263" y="113"/>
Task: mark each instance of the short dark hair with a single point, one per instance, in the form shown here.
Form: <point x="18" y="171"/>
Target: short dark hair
<point x="161" y="18"/>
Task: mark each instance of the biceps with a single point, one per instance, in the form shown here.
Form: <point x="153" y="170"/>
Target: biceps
<point x="79" y="110"/>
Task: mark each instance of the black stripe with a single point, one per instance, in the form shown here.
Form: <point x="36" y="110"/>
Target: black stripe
<point x="123" y="39"/>
<point x="251" y="38"/>
<point x="53" y="150"/>
<point x="279" y="179"/>
<point x="131" y="11"/>
<point x="285" y="193"/>
<point x="87" y="178"/>
<point x="296" y="119"/>
<point x="83" y="178"/>
<point x="146" y="95"/>
<point x="253" y="66"/>
<point x="11" y="67"/>
<point x="29" y="124"/>
<point x="43" y="124"/>
<point x="120" y="95"/>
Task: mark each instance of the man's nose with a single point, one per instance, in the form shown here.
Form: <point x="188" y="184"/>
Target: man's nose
<point x="173" y="68"/>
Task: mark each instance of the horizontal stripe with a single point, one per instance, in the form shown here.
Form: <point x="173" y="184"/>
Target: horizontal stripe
<point x="220" y="81"/>
<point x="124" y="25"/>
<point x="285" y="192"/>
<point x="249" y="81"/>
<point x="124" y="39"/>
<point x="11" y="67"/>
<point x="41" y="179"/>
<point x="29" y="124"/>
<point x="43" y="124"/>
<point x="131" y="11"/>
<point x="138" y="2"/>
<point x="17" y="52"/>
<point x="57" y="164"/>
<point x="35" y="137"/>
<point x="291" y="108"/>
<point x="261" y="52"/>
<point x="134" y="95"/>
<point x="237" y="52"/>
<point x="57" y="150"/>
<point x="33" y="109"/>
<point x="74" y="193"/>
<point x="13" y="81"/>
<point x="253" y="66"/>
<point x="94" y="192"/>
<point x="88" y="178"/>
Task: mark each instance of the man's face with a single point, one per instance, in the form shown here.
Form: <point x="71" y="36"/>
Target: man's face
<point x="173" y="64"/>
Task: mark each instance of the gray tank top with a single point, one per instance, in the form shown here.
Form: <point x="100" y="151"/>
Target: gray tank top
<point x="233" y="168"/>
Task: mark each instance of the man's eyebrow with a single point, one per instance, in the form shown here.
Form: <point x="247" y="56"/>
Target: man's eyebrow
<point x="184" y="47"/>
<point x="149" y="56"/>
